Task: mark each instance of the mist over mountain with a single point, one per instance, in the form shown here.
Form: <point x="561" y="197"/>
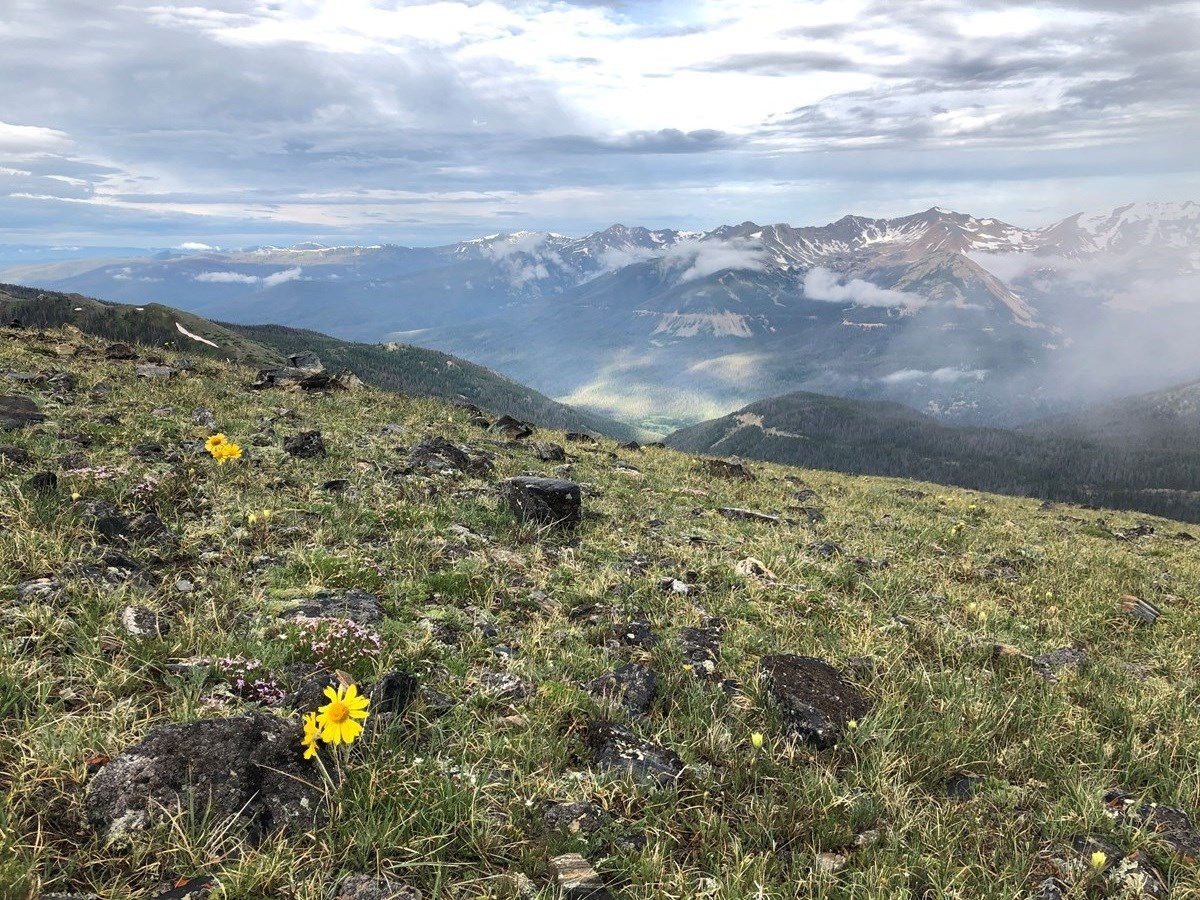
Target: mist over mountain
<point x="969" y="319"/>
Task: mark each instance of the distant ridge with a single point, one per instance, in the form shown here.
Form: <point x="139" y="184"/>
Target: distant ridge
<point x="407" y="369"/>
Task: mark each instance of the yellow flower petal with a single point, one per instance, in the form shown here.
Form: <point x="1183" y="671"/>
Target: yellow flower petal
<point x="332" y="694"/>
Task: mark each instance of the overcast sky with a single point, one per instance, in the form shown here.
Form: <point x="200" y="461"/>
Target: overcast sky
<point x="232" y="122"/>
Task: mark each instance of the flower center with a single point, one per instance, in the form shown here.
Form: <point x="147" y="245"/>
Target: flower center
<point x="338" y="712"/>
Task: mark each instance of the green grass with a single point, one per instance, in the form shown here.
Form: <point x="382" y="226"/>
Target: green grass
<point x="453" y="803"/>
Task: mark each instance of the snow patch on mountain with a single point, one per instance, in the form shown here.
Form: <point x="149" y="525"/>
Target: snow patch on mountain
<point x="722" y="324"/>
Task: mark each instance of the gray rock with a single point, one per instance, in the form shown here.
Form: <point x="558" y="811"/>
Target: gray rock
<point x="150" y="370"/>
<point x="119" y="351"/>
<point x="728" y="469"/>
<point x="18" y="412"/>
<point x="204" y="417"/>
<point x="816" y="701"/>
<point x="367" y="887"/>
<point x="17" y="456"/>
<point x="39" y="590"/>
<point x="1048" y="665"/>
<point x="361" y="606"/>
<point x="511" y="429"/>
<point x="505" y="686"/>
<point x="140" y="622"/>
<point x="548" y="451"/>
<point x="576" y="818"/>
<point x="577" y="880"/>
<point x="632" y="634"/>
<point x="632" y="686"/>
<point x="614" y="747"/>
<point x="305" y="445"/>
<point x="544" y="501"/>
<point x="249" y="769"/>
<point x="1173" y="826"/>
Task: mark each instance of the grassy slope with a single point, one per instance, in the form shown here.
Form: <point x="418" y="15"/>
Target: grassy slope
<point x="409" y="369"/>
<point x="452" y="804"/>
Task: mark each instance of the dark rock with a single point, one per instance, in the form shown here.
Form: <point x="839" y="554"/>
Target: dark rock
<point x="393" y="693"/>
<point x="305" y="445"/>
<point x="18" y="412"/>
<point x="367" y="887"/>
<point x="140" y="622"/>
<point x="546" y="501"/>
<point x="204" y="418"/>
<point x="101" y="391"/>
<point x="806" y="495"/>
<point x="439" y="455"/>
<point x="17" y="456"/>
<point x="816" y="701"/>
<point x="633" y="634"/>
<point x="356" y="604"/>
<point x="40" y="483"/>
<point x="632" y="686"/>
<point x="811" y="513"/>
<point x="147" y="451"/>
<point x="628" y="445"/>
<point x="150" y="370"/>
<point x="69" y="462"/>
<point x="826" y="549"/>
<point x="577" y="880"/>
<point x="336" y="485"/>
<point x="192" y="889"/>
<point x="306" y="360"/>
<point x="576" y="818"/>
<point x="547" y="451"/>
<point x="614" y="747"/>
<point x="480" y="421"/>
<point x="727" y="469"/>
<point x="1048" y="665"/>
<point x="962" y="786"/>
<point x="119" y="351"/>
<point x="250" y="769"/>
<point x="579" y="437"/>
<point x="309" y="694"/>
<point x="870" y="563"/>
<point x="1142" y="529"/>
<point x="702" y="649"/>
<point x="512" y="429"/>
<point x="748" y="515"/>
<point x="1173" y="826"/>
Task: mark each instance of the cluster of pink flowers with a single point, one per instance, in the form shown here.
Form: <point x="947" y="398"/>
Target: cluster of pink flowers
<point x="147" y="485"/>
<point x="249" y="679"/>
<point x="340" y="643"/>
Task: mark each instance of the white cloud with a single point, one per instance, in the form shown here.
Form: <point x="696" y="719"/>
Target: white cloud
<point x="195" y="245"/>
<point x="281" y="277"/>
<point x="699" y="259"/>
<point x="226" y="278"/>
<point x="944" y="375"/>
<point x="822" y="284"/>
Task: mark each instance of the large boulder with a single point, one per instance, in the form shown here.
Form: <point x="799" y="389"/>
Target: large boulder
<point x="17" y="412"/>
<point x="249" y="769"/>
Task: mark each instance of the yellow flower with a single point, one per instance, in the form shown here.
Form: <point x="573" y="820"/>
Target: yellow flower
<point x="757" y="740"/>
<point x="251" y="518"/>
<point x="312" y="731"/>
<point x="266" y="513"/>
<point x="852" y="724"/>
<point x="1099" y="858"/>
<point x="213" y="442"/>
<point x="337" y="717"/>
<point x="74" y="495"/>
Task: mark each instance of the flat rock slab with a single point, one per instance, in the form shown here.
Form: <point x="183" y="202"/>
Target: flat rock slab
<point x="545" y="501"/>
<point x="614" y="747"/>
<point x="816" y="701"/>
<point x="577" y="880"/>
<point x="726" y="469"/>
<point x="18" y="412"/>
<point x="356" y="604"/>
<point x="249" y="768"/>
<point x="150" y="370"/>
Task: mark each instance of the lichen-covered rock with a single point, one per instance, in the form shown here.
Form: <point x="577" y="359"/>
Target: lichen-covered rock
<point x="305" y="445"/>
<point x="367" y="887"/>
<point x="816" y="701"/>
<point x="632" y="686"/>
<point x="614" y="747"/>
<point x="356" y="604"/>
<point x="250" y="769"/>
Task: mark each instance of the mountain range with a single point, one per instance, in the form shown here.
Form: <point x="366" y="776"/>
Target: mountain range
<point x="968" y="319"/>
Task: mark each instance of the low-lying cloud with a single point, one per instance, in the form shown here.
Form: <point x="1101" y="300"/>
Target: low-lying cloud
<point x="944" y="375"/>
<point x="698" y="259"/>
<point x="275" y="278"/>
<point x="827" y="286"/>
